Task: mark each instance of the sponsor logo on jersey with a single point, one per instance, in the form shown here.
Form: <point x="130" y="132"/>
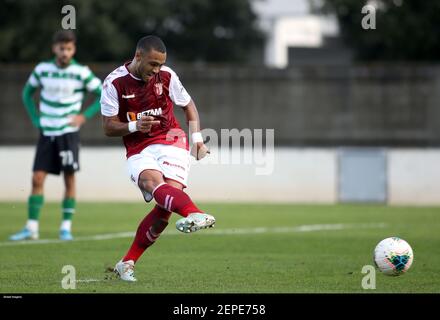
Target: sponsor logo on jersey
<point x="129" y="96"/>
<point x="158" y="88"/>
<point x="132" y="116"/>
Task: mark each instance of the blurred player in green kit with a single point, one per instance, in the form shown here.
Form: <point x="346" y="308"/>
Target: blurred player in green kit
<point x="63" y="83"/>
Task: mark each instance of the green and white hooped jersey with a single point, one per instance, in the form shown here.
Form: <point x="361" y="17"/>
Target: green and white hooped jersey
<point x="62" y="94"/>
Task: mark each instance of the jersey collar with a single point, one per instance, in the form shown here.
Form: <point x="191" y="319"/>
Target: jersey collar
<point x="72" y="61"/>
<point x="132" y="75"/>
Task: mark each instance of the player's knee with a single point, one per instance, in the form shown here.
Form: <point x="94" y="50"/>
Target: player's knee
<point x="38" y="180"/>
<point x="146" y="184"/>
<point x="149" y="183"/>
<point x="149" y="180"/>
<point x="69" y="179"/>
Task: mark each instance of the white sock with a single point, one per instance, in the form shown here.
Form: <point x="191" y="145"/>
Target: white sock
<point x="32" y="225"/>
<point x="66" y="225"/>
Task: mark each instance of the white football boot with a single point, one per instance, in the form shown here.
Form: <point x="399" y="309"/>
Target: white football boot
<point x="194" y="222"/>
<point x="125" y="270"/>
<point x="24" y="234"/>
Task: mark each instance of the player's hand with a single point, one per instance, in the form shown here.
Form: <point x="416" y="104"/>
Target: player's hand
<point x="145" y="123"/>
<point x="199" y="150"/>
<point x="77" y="120"/>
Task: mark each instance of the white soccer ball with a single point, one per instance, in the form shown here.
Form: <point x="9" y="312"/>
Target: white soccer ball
<point x="393" y="256"/>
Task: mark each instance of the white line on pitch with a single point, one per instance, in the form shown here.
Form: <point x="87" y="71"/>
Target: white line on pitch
<point x="89" y="280"/>
<point x="212" y="232"/>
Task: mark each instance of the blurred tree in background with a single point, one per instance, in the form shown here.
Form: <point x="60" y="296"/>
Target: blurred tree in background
<point x="107" y="30"/>
<point x="406" y="30"/>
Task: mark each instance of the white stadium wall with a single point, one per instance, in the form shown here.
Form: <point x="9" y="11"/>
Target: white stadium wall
<point x="414" y="176"/>
<point x="302" y="175"/>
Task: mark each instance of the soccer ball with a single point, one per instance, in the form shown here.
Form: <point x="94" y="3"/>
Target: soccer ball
<point x="393" y="256"/>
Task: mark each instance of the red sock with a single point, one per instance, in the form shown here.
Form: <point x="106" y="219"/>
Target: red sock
<point x="148" y="231"/>
<point x="175" y="200"/>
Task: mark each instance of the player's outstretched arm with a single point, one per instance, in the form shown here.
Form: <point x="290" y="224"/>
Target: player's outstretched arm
<point x="198" y="149"/>
<point x="113" y="127"/>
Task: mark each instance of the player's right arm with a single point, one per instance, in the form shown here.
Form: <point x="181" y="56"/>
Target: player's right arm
<point x="27" y="96"/>
<point x="113" y="126"/>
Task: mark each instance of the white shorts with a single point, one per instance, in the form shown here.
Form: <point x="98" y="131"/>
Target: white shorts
<point x="172" y="161"/>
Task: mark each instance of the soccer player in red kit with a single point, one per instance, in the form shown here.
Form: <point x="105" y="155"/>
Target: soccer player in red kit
<point x="137" y="104"/>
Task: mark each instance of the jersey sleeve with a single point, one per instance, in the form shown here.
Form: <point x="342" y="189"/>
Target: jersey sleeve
<point x="91" y="82"/>
<point x="109" y="100"/>
<point x="34" y="78"/>
<point x="178" y="93"/>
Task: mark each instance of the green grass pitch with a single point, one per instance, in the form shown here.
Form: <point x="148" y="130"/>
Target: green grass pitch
<point x="253" y="249"/>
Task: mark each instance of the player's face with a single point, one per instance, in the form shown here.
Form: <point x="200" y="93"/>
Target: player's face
<point x="64" y="52"/>
<point x="150" y="64"/>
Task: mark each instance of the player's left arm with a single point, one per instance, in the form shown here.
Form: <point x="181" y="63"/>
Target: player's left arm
<point x="198" y="149"/>
<point x="94" y="86"/>
<point x="180" y="97"/>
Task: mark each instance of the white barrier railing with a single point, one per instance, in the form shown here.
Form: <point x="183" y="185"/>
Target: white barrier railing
<point x="302" y="175"/>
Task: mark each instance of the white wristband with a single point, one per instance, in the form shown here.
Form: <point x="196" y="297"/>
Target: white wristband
<point x="132" y="127"/>
<point x="196" y="137"/>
